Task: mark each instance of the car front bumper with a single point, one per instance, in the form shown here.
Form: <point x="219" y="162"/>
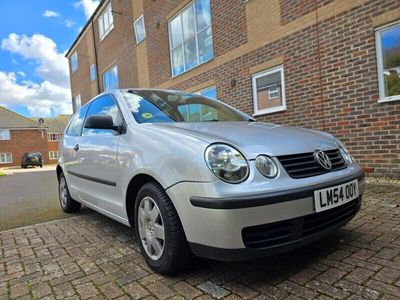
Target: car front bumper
<point x="218" y="226"/>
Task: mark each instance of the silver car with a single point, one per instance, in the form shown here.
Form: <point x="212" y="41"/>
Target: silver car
<point x="193" y="175"/>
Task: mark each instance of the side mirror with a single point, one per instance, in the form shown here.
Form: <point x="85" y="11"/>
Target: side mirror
<point x="100" y="122"/>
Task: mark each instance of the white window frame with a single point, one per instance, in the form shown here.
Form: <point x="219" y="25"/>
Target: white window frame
<point x="254" y="78"/>
<point x="7" y="135"/>
<point x="107" y="71"/>
<point x="74" y="62"/>
<point x="53" y="155"/>
<point x="58" y="136"/>
<point x="77" y="101"/>
<point x="107" y="13"/>
<point x="92" y="71"/>
<point x="140" y="19"/>
<point x="379" y="60"/>
<point x="179" y="14"/>
<point x="5" y="158"/>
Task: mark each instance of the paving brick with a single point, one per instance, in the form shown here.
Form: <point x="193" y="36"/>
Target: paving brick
<point x="187" y="290"/>
<point x="331" y="269"/>
<point x="135" y="290"/>
<point x="111" y="290"/>
<point x="214" y="290"/>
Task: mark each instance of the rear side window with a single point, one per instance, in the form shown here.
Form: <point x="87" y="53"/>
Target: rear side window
<point x="103" y="106"/>
<point x="75" y="127"/>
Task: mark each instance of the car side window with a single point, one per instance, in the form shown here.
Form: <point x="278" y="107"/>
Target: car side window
<point x="75" y="127"/>
<point x="103" y="106"/>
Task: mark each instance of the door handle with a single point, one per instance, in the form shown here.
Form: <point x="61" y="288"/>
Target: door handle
<point x="76" y="148"/>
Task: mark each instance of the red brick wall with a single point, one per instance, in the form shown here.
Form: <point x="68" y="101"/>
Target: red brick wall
<point x="25" y="141"/>
<point x="118" y="47"/>
<point x="349" y="109"/>
<point x="294" y="9"/>
<point x="342" y="99"/>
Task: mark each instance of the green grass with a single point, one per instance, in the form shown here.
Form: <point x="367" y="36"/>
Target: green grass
<point x="2" y="174"/>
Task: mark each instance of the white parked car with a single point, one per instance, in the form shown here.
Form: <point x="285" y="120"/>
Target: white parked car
<point x="193" y="175"/>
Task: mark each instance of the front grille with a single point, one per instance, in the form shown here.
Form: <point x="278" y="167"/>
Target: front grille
<point x="283" y="232"/>
<point x="304" y="165"/>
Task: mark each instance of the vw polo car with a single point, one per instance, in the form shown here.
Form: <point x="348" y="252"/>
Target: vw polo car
<point x="193" y="175"/>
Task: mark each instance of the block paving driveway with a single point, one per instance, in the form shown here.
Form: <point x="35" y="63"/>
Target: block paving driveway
<point x="90" y="256"/>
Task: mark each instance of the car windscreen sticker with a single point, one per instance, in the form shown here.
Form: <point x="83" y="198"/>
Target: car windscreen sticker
<point x="147" y="115"/>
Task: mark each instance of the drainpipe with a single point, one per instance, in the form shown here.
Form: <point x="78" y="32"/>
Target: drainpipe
<point x="321" y="91"/>
<point x="95" y="59"/>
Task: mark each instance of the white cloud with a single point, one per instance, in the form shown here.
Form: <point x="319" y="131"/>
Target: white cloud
<point x="69" y="23"/>
<point x="52" y="65"/>
<point x="52" y="95"/>
<point x="42" y="100"/>
<point x="88" y="6"/>
<point x="50" y="14"/>
<point x="22" y="74"/>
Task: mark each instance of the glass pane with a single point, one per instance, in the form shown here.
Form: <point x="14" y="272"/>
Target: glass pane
<point x="177" y="61"/>
<point x="391" y="60"/>
<point x="76" y="124"/>
<point x="139" y="30"/>
<point x="175" y="27"/>
<point x="269" y="93"/>
<point x="115" y="78"/>
<point x="188" y="23"/>
<point x="203" y="14"/>
<point x="190" y="54"/>
<point x="205" y="45"/>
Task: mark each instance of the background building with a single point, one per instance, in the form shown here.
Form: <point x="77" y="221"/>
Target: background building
<point x="55" y="130"/>
<point x="19" y="135"/>
<point x="324" y="64"/>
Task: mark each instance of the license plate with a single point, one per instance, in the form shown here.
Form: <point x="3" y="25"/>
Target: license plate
<point x="335" y="196"/>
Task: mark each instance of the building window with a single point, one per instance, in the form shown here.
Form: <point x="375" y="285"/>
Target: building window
<point x="269" y="91"/>
<point x="190" y="37"/>
<point x="388" y="58"/>
<point x="53" y="155"/>
<point x="5" y="135"/>
<point x="78" y="102"/>
<point x="106" y="22"/>
<point x="110" y="79"/>
<point x="5" y="158"/>
<point x="92" y="72"/>
<point x="210" y="92"/>
<point x="54" y="136"/>
<point x="74" y="62"/>
<point x="140" y="31"/>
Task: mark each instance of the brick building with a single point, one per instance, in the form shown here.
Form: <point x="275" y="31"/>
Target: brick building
<point x="55" y="130"/>
<point x="331" y="65"/>
<point x="19" y="135"/>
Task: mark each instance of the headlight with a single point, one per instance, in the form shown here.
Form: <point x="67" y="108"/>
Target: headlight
<point x="266" y="166"/>
<point x="227" y="163"/>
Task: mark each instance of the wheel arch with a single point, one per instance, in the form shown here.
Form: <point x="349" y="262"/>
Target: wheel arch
<point x="133" y="188"/>
<point x="59" y="170"/>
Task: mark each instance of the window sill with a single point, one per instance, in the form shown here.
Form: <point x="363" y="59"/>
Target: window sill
<point x="269" y="111"/>
<point x="389" y="99"/>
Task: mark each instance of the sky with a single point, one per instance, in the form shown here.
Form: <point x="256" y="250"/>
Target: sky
<point x="34" y="37"/>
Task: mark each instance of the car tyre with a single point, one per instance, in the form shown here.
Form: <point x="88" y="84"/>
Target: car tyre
<point x="41" y="166"/>
<point x="159" y="231"/>
<point x="68" y="204"/>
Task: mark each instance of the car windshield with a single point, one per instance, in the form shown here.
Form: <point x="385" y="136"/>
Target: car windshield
<point x="153" y="106"/>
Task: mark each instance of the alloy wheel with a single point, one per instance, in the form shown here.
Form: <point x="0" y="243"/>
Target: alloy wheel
<point x="151" y="228"/>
